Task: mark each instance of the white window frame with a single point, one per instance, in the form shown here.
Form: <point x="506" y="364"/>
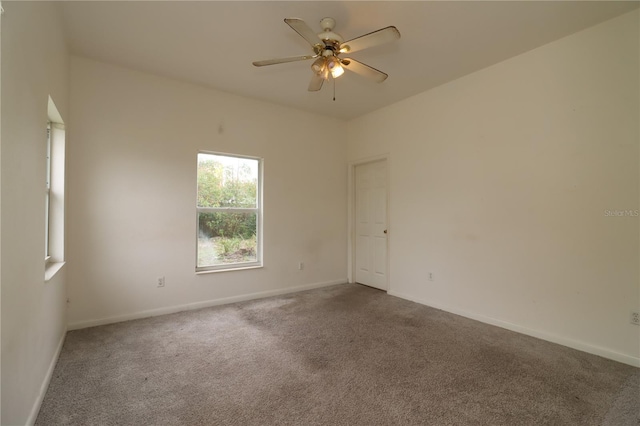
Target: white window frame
<point x="47" y="214"/>
<point x="257" y="210"/>
<point x="54" y="192"/>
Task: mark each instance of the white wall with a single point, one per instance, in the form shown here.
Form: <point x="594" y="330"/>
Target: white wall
<point x="34" y="66"/>
<point x="499" y="185"/>
<point x="132" y="182"/>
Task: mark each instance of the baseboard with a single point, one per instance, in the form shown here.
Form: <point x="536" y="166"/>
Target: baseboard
<point x="45" y="383"/>
<point x="574" y="344"/>
<point x="198" y="305"/>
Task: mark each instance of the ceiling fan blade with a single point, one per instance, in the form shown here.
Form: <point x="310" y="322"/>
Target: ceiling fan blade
<point x="316" y="82"/>
<point x="283" y="60"/>
<point x="364" y="70"/>
<point x="375" y="38"/>
<point x="305" y="32"/>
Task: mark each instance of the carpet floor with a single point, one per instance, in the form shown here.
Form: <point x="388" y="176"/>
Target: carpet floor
<point x="341" y="355"/>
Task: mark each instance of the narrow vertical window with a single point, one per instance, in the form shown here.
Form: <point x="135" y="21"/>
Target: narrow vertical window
<point x="47" y="207"/>
<point x="229" y="212"/>
<point x="54" y="192"/>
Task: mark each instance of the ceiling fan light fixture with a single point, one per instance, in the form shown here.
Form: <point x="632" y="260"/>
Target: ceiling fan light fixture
<point x="337" y="71"/>
<point x="318" y="66"/>
<point x="333" y="64"/>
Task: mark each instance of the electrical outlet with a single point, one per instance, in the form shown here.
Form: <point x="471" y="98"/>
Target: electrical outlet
<point x="430" y="276"/>
<point x="300" y="266"/>
<point x="161" y="282"/>
<point x="635" y="318"/>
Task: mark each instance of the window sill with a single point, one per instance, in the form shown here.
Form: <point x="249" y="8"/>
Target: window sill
<point x="243" y="268"/>
<point x="51" y="269"/>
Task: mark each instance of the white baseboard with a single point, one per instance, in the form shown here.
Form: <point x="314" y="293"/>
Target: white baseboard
<point x="197" y="305"/>
<point x="45" y="383"/>
<point x="574" y="344"/>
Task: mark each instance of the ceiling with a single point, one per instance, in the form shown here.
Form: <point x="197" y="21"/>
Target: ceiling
<point x="214" y="43"/>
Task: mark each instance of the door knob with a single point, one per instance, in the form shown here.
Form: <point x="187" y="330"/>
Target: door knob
<point x="385" y="231"/>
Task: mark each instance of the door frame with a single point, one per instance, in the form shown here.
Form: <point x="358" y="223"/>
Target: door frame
<point x="351" y="213"/>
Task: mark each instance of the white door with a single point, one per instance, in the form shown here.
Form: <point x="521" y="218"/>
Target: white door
<point x="371" y="224"/>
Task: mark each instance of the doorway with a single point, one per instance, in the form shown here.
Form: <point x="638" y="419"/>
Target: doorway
<point x="370" y="224"/>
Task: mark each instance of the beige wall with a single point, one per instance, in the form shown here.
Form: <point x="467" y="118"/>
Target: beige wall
<point x="34" y="66"/>
<point x="132" y="182"/>
<point x="499" y="186"/>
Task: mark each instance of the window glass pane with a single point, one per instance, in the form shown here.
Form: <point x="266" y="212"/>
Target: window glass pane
<point x="225" y="238"/>
<point x="47" y="199"/>
<point x="225" y="181"/>
<point x="48" y="176"/>
<point x="46" y="224"/>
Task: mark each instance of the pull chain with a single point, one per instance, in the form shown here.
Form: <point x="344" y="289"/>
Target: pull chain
<point x="334" y="89"/>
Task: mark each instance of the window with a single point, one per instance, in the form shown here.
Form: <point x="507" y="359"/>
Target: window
<point x="47" y="202"/>
<point x="229" y="212"/>
<point x="54" y="192"/>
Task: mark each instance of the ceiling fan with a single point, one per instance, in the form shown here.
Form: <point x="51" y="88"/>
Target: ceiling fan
<point x="327" y="48"/>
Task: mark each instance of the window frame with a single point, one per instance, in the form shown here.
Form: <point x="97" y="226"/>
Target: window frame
<point x="55" y="188"/>
<point x="258" y="210"/>
<point x="47" y="213"/>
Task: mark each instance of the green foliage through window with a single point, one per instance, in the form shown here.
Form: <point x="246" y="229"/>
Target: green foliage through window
<point x="227" y="184"/>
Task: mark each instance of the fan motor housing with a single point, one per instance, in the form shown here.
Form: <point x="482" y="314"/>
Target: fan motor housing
<point x="328" y="36"/>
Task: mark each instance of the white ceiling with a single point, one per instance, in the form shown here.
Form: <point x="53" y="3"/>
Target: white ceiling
<point x="214" y="43"/>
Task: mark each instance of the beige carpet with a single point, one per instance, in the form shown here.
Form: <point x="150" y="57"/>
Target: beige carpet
<point x="342" y="355"/>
